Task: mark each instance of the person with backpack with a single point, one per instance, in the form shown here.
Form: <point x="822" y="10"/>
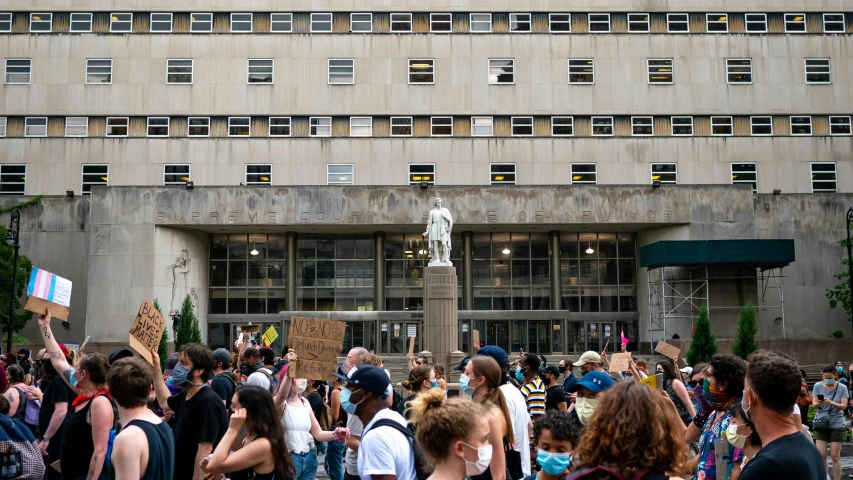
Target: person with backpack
<point x="21" y="443"/>
<point x="624" y="440"/>
<point x="222" y="382"/>
<point x="91" y="415"/>
<point x="554" y="436"/>
<point x="22" y="404"/>
<point x="145" y="447"/>
<point x="256" y="373"/>
<point x="453" y="434"/>
<point x="386" y="449"/>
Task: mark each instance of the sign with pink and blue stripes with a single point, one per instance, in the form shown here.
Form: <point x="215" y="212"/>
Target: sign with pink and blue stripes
<point x="48" y="286"/>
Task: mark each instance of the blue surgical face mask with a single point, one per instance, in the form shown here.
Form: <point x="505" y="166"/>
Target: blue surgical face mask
<point x="348" y="406"/>
<point x="434" y="383"/>
<point x="179" y="376"/>
<point x="839" y="369"/>
<point x="519" y="373"/>
<point x="829" y="381"/>
<point x="72" y="379"/>
<point x="463" y="385"/>
<point x="553" y="463"/>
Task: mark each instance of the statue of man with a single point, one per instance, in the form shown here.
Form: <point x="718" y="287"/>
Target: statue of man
<point x="439" y="226"/>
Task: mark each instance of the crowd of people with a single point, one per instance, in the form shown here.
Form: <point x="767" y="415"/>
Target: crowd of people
<point x="240" y="415"/>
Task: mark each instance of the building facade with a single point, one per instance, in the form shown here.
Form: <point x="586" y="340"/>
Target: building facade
<point x="564" y="136"/>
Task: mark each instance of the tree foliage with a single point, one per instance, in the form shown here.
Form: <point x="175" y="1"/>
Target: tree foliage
<point x="704" y="345"/>
<point x="747" y="328"/>
<point x="163" y="348"/>
<point x="840" y="294"/>
<point x="7" y="255"/>
<point x="188" y="330"/>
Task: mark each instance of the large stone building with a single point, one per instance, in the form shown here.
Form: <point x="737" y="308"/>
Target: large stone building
<point x="280" y="158"/>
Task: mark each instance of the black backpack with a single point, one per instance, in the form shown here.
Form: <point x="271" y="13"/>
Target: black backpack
<point x="423" y="467"/>
<point x="608" y="473"/>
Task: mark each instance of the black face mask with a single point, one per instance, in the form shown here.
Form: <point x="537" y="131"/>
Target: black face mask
<point x="250" y="368"/>
<point x="562" y="369"/>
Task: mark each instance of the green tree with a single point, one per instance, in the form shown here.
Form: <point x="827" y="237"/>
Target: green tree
<point x="163" y="348"/>
<point x="747" y="328"/>
<point x="7" y="255"/>
<point x="704" y="345"/>
<point x="840" y="294"/>
<point x="188" y="330"/>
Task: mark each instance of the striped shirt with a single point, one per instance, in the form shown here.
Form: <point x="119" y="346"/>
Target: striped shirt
<point x="534" y="395"/>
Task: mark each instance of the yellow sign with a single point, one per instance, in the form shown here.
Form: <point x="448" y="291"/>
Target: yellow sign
<point x="653" y="381"/>
<point x="269" y="336"/>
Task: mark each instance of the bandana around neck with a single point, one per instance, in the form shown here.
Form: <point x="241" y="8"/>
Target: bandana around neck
<point x="85" y="398"/>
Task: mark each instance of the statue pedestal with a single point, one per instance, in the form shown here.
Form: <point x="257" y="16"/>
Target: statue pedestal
<point x="441" y="316"/>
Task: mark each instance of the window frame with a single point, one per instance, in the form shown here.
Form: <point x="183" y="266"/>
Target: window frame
<point x="643" y="118"/>
<point x="112" y="22"/>
<point x="747" y="22"/>
<point x="316" y="128"/>
<point x="289" y="126"/>
<point x="646" y="22"/>
<point x="590" y="22"/>
<point x="110" y="82"/>
<point x="730" y="126"/>
<point x="848" y="123"/>
<point x="410" y="73"/>
<point x="6" y="18"/>
<point x="828" y="68"/>
<point x="489" y="71"/>
<point x="834" y="172"/>
<point x="729" y="73"/>
<point x="518" y="21"/>
<point x="330" y="22"/>
<point x="400" y="22"/>
<point x="571" y="125"/>
<point x="49" y="22"/>
<point x="24" y="183"/>
<point x="261" y="182"/>
<point x="492" y="173"/>
<point x="193" y="21"/>
<point x="6" y="71"/>
<point x="670" y="22"/>
<point x="753" y="125"/>
<point x="411" y="127"/>
<point x="671" y="72"/>
<point x="85" y="126"/>
<point x="513" y="125"/>
<point x="471" y="22"/>
<point x="843" y="23"/>
<point x="709" y="22"/>
<point x="754" y="171"/>
<point x="664" y="182"/>
<point x="794" y="22"/>
<point x="289" y="30"/>
<point x="810" y="125"/>
<point x="3" y="123"/>
<point x="27" y="127"/>
<point x="108" y="126"/>
<point x="148" y="126"/>
<point x="340" y="182"/>
<point x="551" y="23"/>
<point x="152" y="22"/>
<point x="231" y="22"/>
<point x="572" y="173"/>
<point x="191" y="74"/>
<point x="190" y="126"/>
<point x="432" y="22"/>
<point x="351" y="126"/>
<point x="491" y="126"/>
<point x="418" y="182"/>
<point x="592" y="73"/>
<point x="672" y="126"/>
<point x="432" y="125"/>
<point x="189" y="173"/>
<point x="71" y="22"/>
<point x="602" y="117"/>
<point x="248" y="126"/>
<point x="249" y="71"/>
<point x="352" y="22"/>
<point x="329" y="71"/>
<point x="83" y="174"/>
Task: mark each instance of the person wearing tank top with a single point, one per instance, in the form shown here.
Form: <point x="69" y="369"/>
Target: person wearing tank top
<point x="260" y="455"/>
<point x="145" y="447"/>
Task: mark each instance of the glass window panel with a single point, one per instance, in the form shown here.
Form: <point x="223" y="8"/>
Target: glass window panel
<point x="219" y="246"/>
<point x="256" y="301"/>
<point x="257" y="273"/>
<point x="608" y="271"/>
<point x="588" y="272"/>
<point x="364" y="248"/>
<point x="521" y="272"/>
<point x="501" y="272"/>
<point x="236" y="301"/>
<point x="607" y="245"/>
<point x="626" y="245"/>
<point x="237" y="271"/>
<point x="325" y="249"/>
<point x="325" y="273"/>
<point x="306" y="273"/>
<point x="276" y="271"/>
<point x="520" y="244"/>
<point x="218" y="300"/>
<point x="218" y="274"/>
<point x="539" y="272"/>
<point x="238" y="246"/>
<point x="569" y="245"/>
<point x="277" y="247"/>
<point x="346" y="248"/>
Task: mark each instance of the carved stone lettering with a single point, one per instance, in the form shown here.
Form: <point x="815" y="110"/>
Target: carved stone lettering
<point x="568" y="215"/>
<point x="214" y="217"/>
<point x="270" y="217"/>
<point x="522" y="216"/>
<point x="232" y="217"/>
<point x="606" y="214"/>
<point x="253" y="218"/>
<point x="650" y="215"/>
<point x="441" y="291"/>
<point x="159" y="217"/>
<point x="633" y="214"/>
<point x="179" y="218"/>
<point x="685" y="216"/>
<point x="303" y="216"/>
<point x="195" y="216"/>
<point x="493" y="216"/>
<point x="337" y="215"/>
<point x="475" y="215"/>
<point x="586" y="215"/>
<point x="321" y="215"/>
<point x="667" y="216"/>
<point x="540" y="215"/>
<point x="353" y="217"/>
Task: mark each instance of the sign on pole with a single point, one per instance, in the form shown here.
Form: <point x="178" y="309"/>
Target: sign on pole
<point x="317" y="343"/>
<point x="147" y="330"/>
<point x="47" y="290"/>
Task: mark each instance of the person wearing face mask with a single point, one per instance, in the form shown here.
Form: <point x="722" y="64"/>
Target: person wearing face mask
<point x="86" y="427"/>
<point x="591" y="361"/>
<point x="253" y="368"/>
<point x="742" y="434"/>
<point x="421" y="379"/>
<point x="676" y="390"/>
<point x="555" y="397"/>
<point x="555" y="436"/>
<point x="301" y="428"/>
<point x="54" y="406"/>
<point x="566" y="368"/>
<point x="589" y="391"/>
<point x="722" y="388"/>
<point x="25" y="363"/>
<point x="830" y="398"/>
<point x="454" y="435"/>
<point x="199" y="414"/>
<point x="839" y="368"/>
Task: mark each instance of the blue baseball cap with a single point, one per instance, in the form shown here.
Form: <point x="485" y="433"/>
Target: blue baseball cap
<point x="594" y="382"/>
<point x="463" y="364"/>
<point x="371" y="378"/>
<point x="496" y="352"/>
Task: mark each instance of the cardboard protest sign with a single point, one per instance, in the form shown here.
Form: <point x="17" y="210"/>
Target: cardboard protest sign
<point x="667" y="350"/>
<point x="270" y="336"/>
<point x="247" y="329"/>
<point x="620" y="362"/>
<point x="476" y="339"/>
<point x="317" y="343"/>
<point x="146" y="330"/>
<point x="47" y="290"/>
<point x="411" y="345"/>
<point x="72" y="347"/>
<point x="653" y="381"/>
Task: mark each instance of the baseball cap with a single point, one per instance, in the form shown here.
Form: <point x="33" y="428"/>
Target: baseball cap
<point x="371" y="378"/>
<point x="496" y="353"/>
<point x="222" y="355"/>
<point x="687" y="370"/>
<point x="594" y="382"/>
<point x="588" y="357"/>
<point x="552" y="370"/>
<point x="171" y="361"/>
<point x="118" y="353"/>
<point x="462" y="364"/>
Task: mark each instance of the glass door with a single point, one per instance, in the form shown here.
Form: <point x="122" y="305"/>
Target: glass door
<point x="497" y="333"/>
<point x="577" y="337"/>
<point x="465" y="336"/>
<point x="593" y="336"/>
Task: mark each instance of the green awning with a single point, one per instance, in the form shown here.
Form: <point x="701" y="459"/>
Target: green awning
<point x="764" y="254"/>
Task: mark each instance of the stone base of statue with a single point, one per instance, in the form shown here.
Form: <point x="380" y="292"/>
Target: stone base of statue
<point x="441" y="316"/>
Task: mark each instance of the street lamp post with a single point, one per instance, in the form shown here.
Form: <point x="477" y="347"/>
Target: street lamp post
<point x="850" y="258"/>
<point x="13" y="241"/>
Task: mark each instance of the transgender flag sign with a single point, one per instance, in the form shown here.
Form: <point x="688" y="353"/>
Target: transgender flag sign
<point x="48" y="286"/>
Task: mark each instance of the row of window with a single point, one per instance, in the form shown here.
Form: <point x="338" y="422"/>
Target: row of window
<point x="421" y="71"/>
<point x="124" y="22"/>
<point x="439" y="126"/>
<point x="13" y="177"/>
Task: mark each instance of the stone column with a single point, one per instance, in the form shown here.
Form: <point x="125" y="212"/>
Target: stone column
<point x="290" y="280"/>
<point x="379" y="271"/>
<point x="467" y="270"/>
<point x="554" y="263"/>
<point x="441" y="321"/>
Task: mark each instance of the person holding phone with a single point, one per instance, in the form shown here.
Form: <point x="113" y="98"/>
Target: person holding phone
<point x="830" y="399"/>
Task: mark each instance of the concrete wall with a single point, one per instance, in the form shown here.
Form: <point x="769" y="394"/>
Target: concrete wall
<point x="815" y="353"/>
<point x="173" y="246"/>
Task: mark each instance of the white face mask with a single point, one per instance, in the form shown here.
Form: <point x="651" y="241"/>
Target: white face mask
<point x="585" y="408"/>
<point x="301" y="384"/>
<point x="484" y="458"/>
<point x="733" y="437"/>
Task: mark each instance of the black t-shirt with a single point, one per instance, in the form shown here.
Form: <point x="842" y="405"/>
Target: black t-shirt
<point x="792" y="457"/>
<point x="316" y="402"/>
<point x="200" y="419"/>
<point x="224" y="387"/>
<point x="57" y="392"/>
<point x="553" y="397"/>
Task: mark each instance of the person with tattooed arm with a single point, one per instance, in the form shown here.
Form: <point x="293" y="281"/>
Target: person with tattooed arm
<point x="86" y="428"/>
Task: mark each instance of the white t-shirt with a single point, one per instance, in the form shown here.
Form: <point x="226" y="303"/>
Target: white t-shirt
<point x="355" y="428"/>
<point x="386" y="451"/>
<point x="259" y="379"/>
<point x="518" y="413"/>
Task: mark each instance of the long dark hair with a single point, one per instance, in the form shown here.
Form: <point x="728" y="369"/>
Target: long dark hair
<point x="669" y="371"/>
<point x="264" y="420"/>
